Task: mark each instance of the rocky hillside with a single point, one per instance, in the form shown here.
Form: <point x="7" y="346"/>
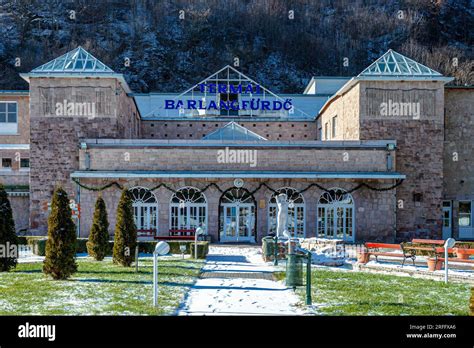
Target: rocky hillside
<point x="172" y="45"/>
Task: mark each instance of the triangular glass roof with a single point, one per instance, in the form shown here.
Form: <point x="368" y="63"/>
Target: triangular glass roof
<point x="233" y="131"/>
<point x="228" y="76"/>
<point x="75" y="61"/>
<point x="393" y="64"/>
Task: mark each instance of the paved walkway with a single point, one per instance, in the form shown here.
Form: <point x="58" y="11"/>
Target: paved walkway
<point x="236" y="281"/>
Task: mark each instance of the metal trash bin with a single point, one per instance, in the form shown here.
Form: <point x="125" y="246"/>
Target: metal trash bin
<point x="294" y="270"/>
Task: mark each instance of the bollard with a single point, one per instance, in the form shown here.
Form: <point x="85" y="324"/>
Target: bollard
<point x="309" y="300"/>
<point x="275" y="251"/>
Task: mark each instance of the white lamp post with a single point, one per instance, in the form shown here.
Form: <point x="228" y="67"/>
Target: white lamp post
<point x="449" y="244"/>
<point x="198" y="232"/>
<point x="162" y="248"/>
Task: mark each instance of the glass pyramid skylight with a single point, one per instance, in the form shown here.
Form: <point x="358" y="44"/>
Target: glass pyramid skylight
<point x="393" y="64"/>
<point x="75" y="61"/>
<point x="233" y="131"/>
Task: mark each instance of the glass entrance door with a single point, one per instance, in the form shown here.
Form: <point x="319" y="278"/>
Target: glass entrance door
<point x="447" y="211"/>
<point x="238" y="222"/>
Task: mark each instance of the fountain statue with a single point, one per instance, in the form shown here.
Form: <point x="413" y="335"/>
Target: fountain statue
<point x="282" y="214"/>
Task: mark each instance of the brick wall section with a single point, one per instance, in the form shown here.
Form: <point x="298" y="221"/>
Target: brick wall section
<point x="374" y="211"/>
<point x="198" y="129"/>
<point x="346" y="108"/>
<point x="204" y="159"/>
<point x="55" y="140"/>
<point x="419" y="154"/>
<point x="23" y="136"/>
<point x="459" y="139"/>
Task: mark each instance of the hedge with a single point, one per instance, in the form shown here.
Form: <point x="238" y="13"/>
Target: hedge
<point x="38" y="244"/>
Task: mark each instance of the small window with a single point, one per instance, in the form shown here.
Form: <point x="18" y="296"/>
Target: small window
<point x="204" y="125"/>
<point x="465" y="211"/>
<point x="8" y="118"/>
<point x="6" y="163"/>
<point x="166" y="135"/>
<point x="24" y="163"/>
<point x="152" y="135"/>
<point x="190" y="125"/>
<point x="334" y="120"/>
<point x="177" y="135"/>
<point x="152" y="125"/>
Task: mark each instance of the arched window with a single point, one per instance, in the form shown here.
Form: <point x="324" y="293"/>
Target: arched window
<point x="145" y="211"/>
<point x="188" y="210"/>
<point x="237" y="216"/>
<point x="336" y="215"/>
<point x="296" y="212"/>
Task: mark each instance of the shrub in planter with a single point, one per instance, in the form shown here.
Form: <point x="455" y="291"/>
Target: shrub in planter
<point x="99" y="234"/>
<point x="60" y="255"/>
<point x="38" y="245"/>
<point x="125" y="238"/>
<point x="8" y="236"/>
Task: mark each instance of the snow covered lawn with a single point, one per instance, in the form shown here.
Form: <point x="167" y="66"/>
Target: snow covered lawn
<point x="98" y="288"/>
<point x="236" y="281"/>
<point x="345" y="292"/>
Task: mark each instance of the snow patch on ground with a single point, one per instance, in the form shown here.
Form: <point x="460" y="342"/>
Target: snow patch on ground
<point x="240" y="294"/>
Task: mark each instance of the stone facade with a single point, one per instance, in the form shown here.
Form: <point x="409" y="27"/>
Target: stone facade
<point x="419" y="144"/>
<point x="55" y="139"/>
<point x="189" y="156"/>
<point x="351" y="136"/>
<point x="375" y="213"/>
<point x="458" y="177"/>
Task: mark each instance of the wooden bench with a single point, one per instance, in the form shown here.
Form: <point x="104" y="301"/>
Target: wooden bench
<point x="179" y="234"/>
<point x="182" y="232"/>
<point x="374" y="249"/>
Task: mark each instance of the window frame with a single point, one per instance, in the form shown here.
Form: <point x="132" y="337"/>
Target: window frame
<point x="7" y="131"/>
<point x="465" y="214"/>
<point x="6" y="168"/>
<point x="333" y="126"/>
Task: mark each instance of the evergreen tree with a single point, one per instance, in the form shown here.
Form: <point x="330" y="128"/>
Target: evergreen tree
<point x="60" y="260"/>
<point x="8" y="238"/>
<point x="125" y="239"/>
<point x="98" y="242"/>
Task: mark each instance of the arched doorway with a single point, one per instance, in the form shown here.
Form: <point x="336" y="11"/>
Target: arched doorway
<point x="296" y="212"/>
<point x="336" y="215"/>
<point x="188" y="209"/>
<point x="237" y="219"/>
<point x="145" y="211"/>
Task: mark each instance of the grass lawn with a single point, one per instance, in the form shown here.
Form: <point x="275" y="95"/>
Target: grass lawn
<point x="98" y="288"/>
<point x="359" y="293"/>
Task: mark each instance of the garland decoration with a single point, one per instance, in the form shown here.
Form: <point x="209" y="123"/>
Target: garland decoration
<point x="263" y="184"/>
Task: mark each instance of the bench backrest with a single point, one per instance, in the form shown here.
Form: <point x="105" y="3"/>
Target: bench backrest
<point x="429" y="241"/>
<point x="382" y="245"/>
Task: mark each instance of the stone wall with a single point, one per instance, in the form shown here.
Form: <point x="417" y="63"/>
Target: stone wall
<point x="20" y="207"/>
<point x="55" y="140"/>
<point x="458" y="176"/>
<point x="419" y="150"/>
<point x="346" y="110"/>
<point x="374" y="211"/>
<point x="192" y="130"/>
<point x="174" y="158"/>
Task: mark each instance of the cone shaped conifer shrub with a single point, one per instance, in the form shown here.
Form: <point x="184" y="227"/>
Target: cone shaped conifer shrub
<point x="8" y="238"/>
<point x="60" y="258"/>
<point x="125" y="238"/>
<point x="98" y="242"/>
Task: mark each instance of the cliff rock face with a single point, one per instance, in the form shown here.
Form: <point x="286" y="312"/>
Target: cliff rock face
<point x="172" y="45"/>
